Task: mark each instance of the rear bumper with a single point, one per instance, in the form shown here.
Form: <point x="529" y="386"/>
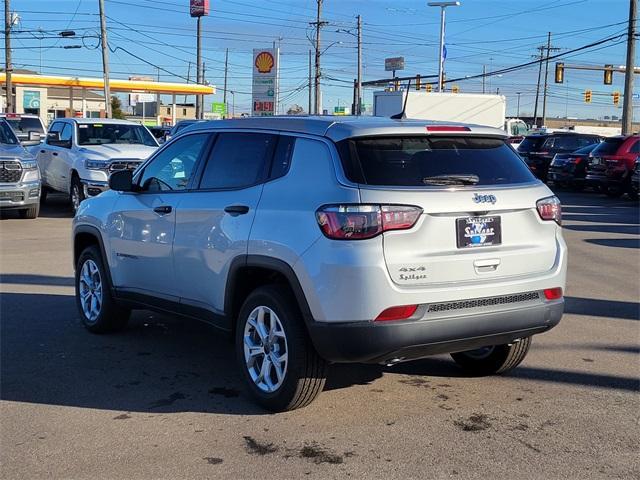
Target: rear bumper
<point x="562" y="176"/>
<point x="391" y="342"/>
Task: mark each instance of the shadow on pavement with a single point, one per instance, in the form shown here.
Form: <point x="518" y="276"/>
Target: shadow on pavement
<point x="602" y="308"/>
<point x="32" y="279"/>
<point x="163" y="364"/>
<point x="606" y="228"/>
<point x="615" y="242"/>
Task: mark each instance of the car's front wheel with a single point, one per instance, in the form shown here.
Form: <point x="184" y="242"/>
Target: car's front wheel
<point x="77" y="193"/>
<point x="279" y="363"/>
<point x="98" y="310"/>
<point x="493" y="359"/>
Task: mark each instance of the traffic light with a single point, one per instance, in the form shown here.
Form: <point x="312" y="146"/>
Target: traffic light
<point x="429" y="87"/>
<point x="608" y="74"/>
<point x="616" y="98"/>
<point x="587" y="96"/>
<point x="559" y="72"/>
<point x="455" y="89"/>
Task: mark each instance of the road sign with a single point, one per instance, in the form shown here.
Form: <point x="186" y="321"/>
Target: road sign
<point x="394" y="63"/>
<point x="199" y="8"/>
<point x="219" y="108"/>
<point x="340" y="111"/>
<point x="265" y="81"/>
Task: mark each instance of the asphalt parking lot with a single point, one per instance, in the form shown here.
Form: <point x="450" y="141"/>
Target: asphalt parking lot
<point x="163" y="399"/>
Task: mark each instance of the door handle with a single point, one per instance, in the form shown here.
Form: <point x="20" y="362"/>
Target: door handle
<point x="489" y="265"/>
<point x="55" y="154"/>
<point x="163" y="209"/>
<point x="235" y="210"/>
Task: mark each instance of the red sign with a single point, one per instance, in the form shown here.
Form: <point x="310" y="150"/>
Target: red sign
<point x="199" y="8"/>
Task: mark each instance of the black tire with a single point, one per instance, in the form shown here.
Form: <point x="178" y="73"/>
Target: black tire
<point x="43" y="194"/>
<point x="500" y="359"/>
<point x="111" y="317"/>
<point x="305" y="373"/>
<point x="76" y="189"/>
<point x="32" y="212"/>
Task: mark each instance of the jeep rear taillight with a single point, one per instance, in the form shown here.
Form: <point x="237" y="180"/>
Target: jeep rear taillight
<point x="361" y="221"/>
<point x="550" y="209"/>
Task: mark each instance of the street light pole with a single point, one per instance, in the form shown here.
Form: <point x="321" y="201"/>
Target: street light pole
<point x="8" y="68"/>
<point x="105" y="59"/>
<point x="443" y="6"/>
<point x="518" y="109"/>
<point x="627" y="99"/>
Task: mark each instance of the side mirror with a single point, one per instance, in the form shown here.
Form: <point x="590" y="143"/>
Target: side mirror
<point x="34" y="136"/>
<point x="121" y="181"/>
<point x="53" y="137"/>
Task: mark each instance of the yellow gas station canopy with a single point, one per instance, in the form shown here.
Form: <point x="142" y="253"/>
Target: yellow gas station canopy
<point x="116" y="85"/>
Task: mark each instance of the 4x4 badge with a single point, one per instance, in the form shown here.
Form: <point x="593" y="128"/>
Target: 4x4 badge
<point x="484" y="198"/>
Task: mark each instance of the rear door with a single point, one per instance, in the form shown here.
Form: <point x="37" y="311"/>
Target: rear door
<point x="467" y="233"/>
<point x="214" y="221"/>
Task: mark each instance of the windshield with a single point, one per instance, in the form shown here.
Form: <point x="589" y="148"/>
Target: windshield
<point x="101" y="133"/>
<point x="429" y="160"/>
<point x="608" y="147"/>
<point x="25" y="125"/>
<point x="530" y="144"/>
<point x="6" y="134"/>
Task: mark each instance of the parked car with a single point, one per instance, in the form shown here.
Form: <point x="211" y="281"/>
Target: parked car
<point x="318" y="239"/>
<point x="80" y="154"/>
<point x="539" y="149"/>
<point x="570" y="169"/>
<point x="160" y="133"/>
<point x="180" y="126"/>
<point x="23" y="124"/>
<point x="19" y="175"/>
<point x="611" y="164"/>
<point x="635" y="180"/>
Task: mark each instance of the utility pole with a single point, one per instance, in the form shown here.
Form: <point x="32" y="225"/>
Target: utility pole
<point x="359" y="85"/>
<point x="627" y="100"/>
<point x="105" y="59"/>
<point x="535" y="109"/>
<point x="310" y="88"/>
<point x="8" y="68"/>
<point x="188" y="78"/>
<point x="484" y="76"/>
<point x="158" y="121"/>
<point x="546" y="78"/>
<point x="198" y="65"/>
<point x="224" y="92"/>
<point x="518" y="109"/>
<point x="318" y="24"/>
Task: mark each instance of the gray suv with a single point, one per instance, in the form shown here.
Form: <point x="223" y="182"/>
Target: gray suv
<point x="317" y="240"/>
<point x="19" y="175"/>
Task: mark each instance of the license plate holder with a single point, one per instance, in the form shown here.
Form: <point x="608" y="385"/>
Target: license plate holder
<point x="473" y="232"/>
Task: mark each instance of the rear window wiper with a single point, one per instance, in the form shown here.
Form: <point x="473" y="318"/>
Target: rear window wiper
<point x="451" y="180"/>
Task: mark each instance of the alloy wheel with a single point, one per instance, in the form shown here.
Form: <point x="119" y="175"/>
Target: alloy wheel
<point x="265" y="349"/>
<point x="90" y="288"/>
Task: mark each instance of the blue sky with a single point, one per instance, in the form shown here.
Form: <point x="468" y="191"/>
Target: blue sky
<point x="495" y="33"/>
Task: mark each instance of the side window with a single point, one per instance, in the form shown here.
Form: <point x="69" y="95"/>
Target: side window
<point x="635" y="148"/>
<point x="56" y="127"/>
<point x="238" y="160"/>
<point x="65" y="135"/>
<point x="282" y="156"/>
<point x="172" y="168"/>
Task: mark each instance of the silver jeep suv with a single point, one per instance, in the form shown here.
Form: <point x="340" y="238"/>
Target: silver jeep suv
<point x="315" y="240"/>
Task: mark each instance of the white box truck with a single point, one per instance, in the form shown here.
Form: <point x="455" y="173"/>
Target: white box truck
<point x="476" y="108"/>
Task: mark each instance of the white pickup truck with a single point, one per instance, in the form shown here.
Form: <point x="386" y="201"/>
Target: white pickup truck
<point x="79" y="154"/>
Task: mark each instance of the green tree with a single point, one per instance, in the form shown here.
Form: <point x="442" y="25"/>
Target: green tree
<point x="116" y="108"/>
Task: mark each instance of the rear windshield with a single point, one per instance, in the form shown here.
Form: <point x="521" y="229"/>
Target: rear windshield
<point x="529" y="144"/>
<point x="608" y="147"/>
<point x="25" y="124"/>
<point x="587" y="149"/>
<point x="429" y="161"/>
<point x="568" y="142"/>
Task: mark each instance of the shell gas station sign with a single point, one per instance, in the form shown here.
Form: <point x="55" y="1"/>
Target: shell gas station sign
<point x="265" y="82"/>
